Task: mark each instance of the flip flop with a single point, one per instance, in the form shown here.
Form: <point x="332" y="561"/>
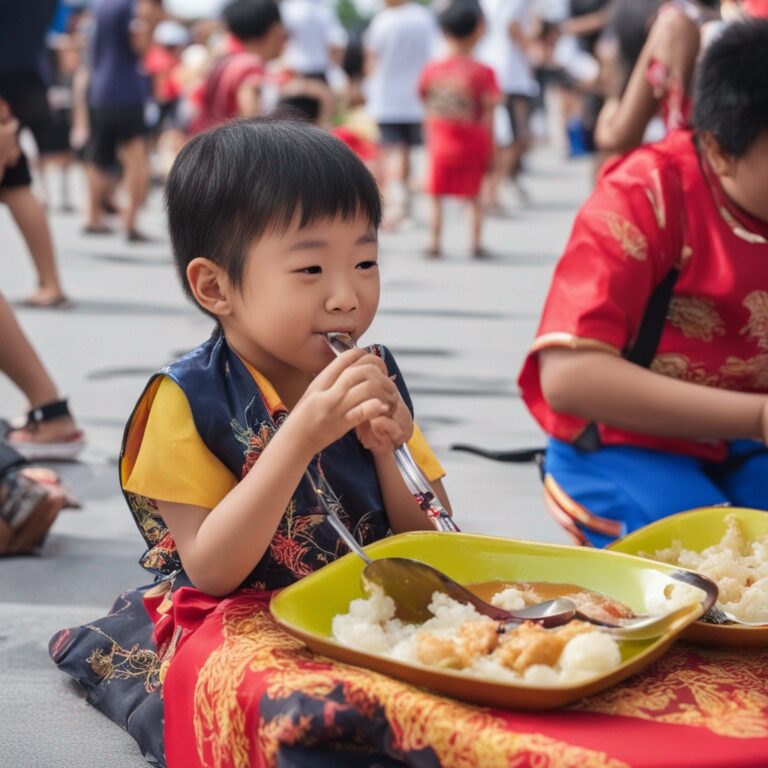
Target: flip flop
<point x="65" y="449"/>
<point x="58" y="302"/>
<point x="103" y="229"/>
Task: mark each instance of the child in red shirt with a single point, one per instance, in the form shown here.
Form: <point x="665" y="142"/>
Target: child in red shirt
<point x="459" y="94"/>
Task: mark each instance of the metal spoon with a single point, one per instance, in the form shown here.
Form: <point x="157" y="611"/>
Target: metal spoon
<point x="647" y="627"/>
<point x="411" y="583"/>
<point x="417" y="484"/>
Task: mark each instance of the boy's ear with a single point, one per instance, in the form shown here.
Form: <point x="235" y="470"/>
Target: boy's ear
<point x="721" y="162"/>
<point x="209" y="285"/>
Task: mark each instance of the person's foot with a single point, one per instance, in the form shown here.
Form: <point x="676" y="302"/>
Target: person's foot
<point x="49" y="432"/>
<point x="47" y="298"/>
<point x="480" y="254"/>
<point x="97" y="229"/>
<point x="433" y="252"/>
<point x="134" y="236"/>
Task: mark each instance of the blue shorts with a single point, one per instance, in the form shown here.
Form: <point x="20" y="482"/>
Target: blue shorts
<point x="636" y="486"/>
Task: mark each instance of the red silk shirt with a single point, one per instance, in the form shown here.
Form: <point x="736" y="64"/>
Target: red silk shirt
<point x="656" y="209"/>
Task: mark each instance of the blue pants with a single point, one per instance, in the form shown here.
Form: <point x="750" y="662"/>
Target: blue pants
<point x="636" y="486"/>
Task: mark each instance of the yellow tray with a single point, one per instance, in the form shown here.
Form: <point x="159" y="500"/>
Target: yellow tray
<point x="306" y="609"/>
<point x="697" y="530"/>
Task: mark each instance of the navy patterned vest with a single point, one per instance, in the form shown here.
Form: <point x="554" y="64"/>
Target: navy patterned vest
<point x="234" y="421"/>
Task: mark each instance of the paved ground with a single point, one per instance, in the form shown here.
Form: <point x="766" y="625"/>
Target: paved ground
<point x="459" y="329"/>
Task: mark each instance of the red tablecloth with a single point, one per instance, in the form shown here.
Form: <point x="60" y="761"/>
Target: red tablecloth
<point x="260" y="690"/>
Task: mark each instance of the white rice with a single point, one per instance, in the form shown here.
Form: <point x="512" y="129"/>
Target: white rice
<point x="738" y="567"/>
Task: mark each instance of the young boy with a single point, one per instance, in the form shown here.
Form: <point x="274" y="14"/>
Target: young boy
<point x="273" y="226"/>
<point x="642" y="422"/>
<point x="460" y="94"/>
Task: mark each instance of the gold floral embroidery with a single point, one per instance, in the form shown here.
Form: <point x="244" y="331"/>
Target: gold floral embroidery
<point x="680" y="367"/>
<point x="686" y="253"/>
<point x="695" y="317"/>
<point x="124" y="663"/>
<point x="419" y="720"/>
<point x="745" y="374"/>
<point x="702" y="687"/>
<point x="655" y="196"/>
<point x="757" y="327"/>
<point x="627" y="235"/>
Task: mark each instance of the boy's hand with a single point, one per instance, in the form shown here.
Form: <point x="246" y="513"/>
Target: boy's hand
<point x="352" y="390"/>
<point x="385" y="433"/>
<point x="764" y="421"/>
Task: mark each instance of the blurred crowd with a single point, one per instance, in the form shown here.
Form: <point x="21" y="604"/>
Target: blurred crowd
<point x="119" y="86"/>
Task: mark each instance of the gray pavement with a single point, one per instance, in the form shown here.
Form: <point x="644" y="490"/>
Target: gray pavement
<point x="458" y="328"/>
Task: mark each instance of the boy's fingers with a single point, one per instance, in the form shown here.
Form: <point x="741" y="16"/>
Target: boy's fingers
<point x="336" y="367"/>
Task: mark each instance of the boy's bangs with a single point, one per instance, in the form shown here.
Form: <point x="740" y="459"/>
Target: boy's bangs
<point x="327" y="188"/>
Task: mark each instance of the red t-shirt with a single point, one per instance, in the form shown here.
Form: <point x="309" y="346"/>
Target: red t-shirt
<point x="218" y="101"/>
<point x="657" y="208"/>
<point x="457" y="92"/>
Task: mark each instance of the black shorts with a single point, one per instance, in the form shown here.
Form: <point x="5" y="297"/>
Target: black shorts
<point x="400" y="133"/>
<point x="52" y="136"/>
<point x="17" y="175"/>
<point x="111" y="127"/>
<point x="519" y="108"/>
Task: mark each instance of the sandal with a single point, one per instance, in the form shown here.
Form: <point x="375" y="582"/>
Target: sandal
<point x="28" y="507"/>
<point x="22" y="438"/>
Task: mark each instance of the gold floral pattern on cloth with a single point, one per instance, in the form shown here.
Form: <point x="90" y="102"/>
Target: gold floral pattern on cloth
<point x="685" y="253"/>
<point x="751" y="373"/>
<point x="461" y="735"/>
<point x="626" y="234"/>
<point x="680" y="367"/>
<point x="701" y="687"/>
<point x="655" y="197"/>
<point x="254" y="442"/>
<point x="120" y="663"/>
<point x="697" y="318"/>
<point x="757" y="327"/>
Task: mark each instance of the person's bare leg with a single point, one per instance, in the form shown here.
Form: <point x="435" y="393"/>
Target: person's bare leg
<point x="405" y="172"/>
<point x="134" y="158"/>
<point x="476" y="218"/>
<point x="19" y="361"/>
<point x="29" y="216"/>
<point x="437" y="227"/>
<point x="98" y="189"/>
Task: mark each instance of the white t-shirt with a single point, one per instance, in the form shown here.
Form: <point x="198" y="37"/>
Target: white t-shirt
<point x="401" y="40"/>
<point x="313" y="28"/>
<point x="500" y="52"/>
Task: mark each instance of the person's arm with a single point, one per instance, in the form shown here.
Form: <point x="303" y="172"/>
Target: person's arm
<point x="606" y="388"/>
<point x="674" y="43"/>
<point x="142" y="26"/>
<point x="221" y="546"/>
<point x="248" y="98"/>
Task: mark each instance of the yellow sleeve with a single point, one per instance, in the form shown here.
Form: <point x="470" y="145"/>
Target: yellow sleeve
<point x="424" y="456"/>
<point x="171" y="462"/>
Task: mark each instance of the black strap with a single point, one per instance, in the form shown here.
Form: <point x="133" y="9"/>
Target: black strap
<point x="48" y="411"/>
<point x="643" y="350"/>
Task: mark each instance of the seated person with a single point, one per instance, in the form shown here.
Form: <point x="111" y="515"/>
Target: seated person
<point x="658" y="406"/>
<point x="274" y="231"/>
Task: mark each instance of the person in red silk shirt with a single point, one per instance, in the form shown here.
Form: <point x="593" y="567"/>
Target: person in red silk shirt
<point x="629" y="444"/>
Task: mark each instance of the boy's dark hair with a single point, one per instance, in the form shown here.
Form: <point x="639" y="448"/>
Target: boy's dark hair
<point x="731" y="92"/>
<point x="250" y="19"/>
<point x="231" y="185"/>
<point x="461" y="18"/>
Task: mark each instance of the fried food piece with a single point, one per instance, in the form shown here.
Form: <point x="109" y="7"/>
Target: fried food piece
<point x="529" y="644"/>
<point x="474" y="639"/>
<point x="573" y="628"/>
